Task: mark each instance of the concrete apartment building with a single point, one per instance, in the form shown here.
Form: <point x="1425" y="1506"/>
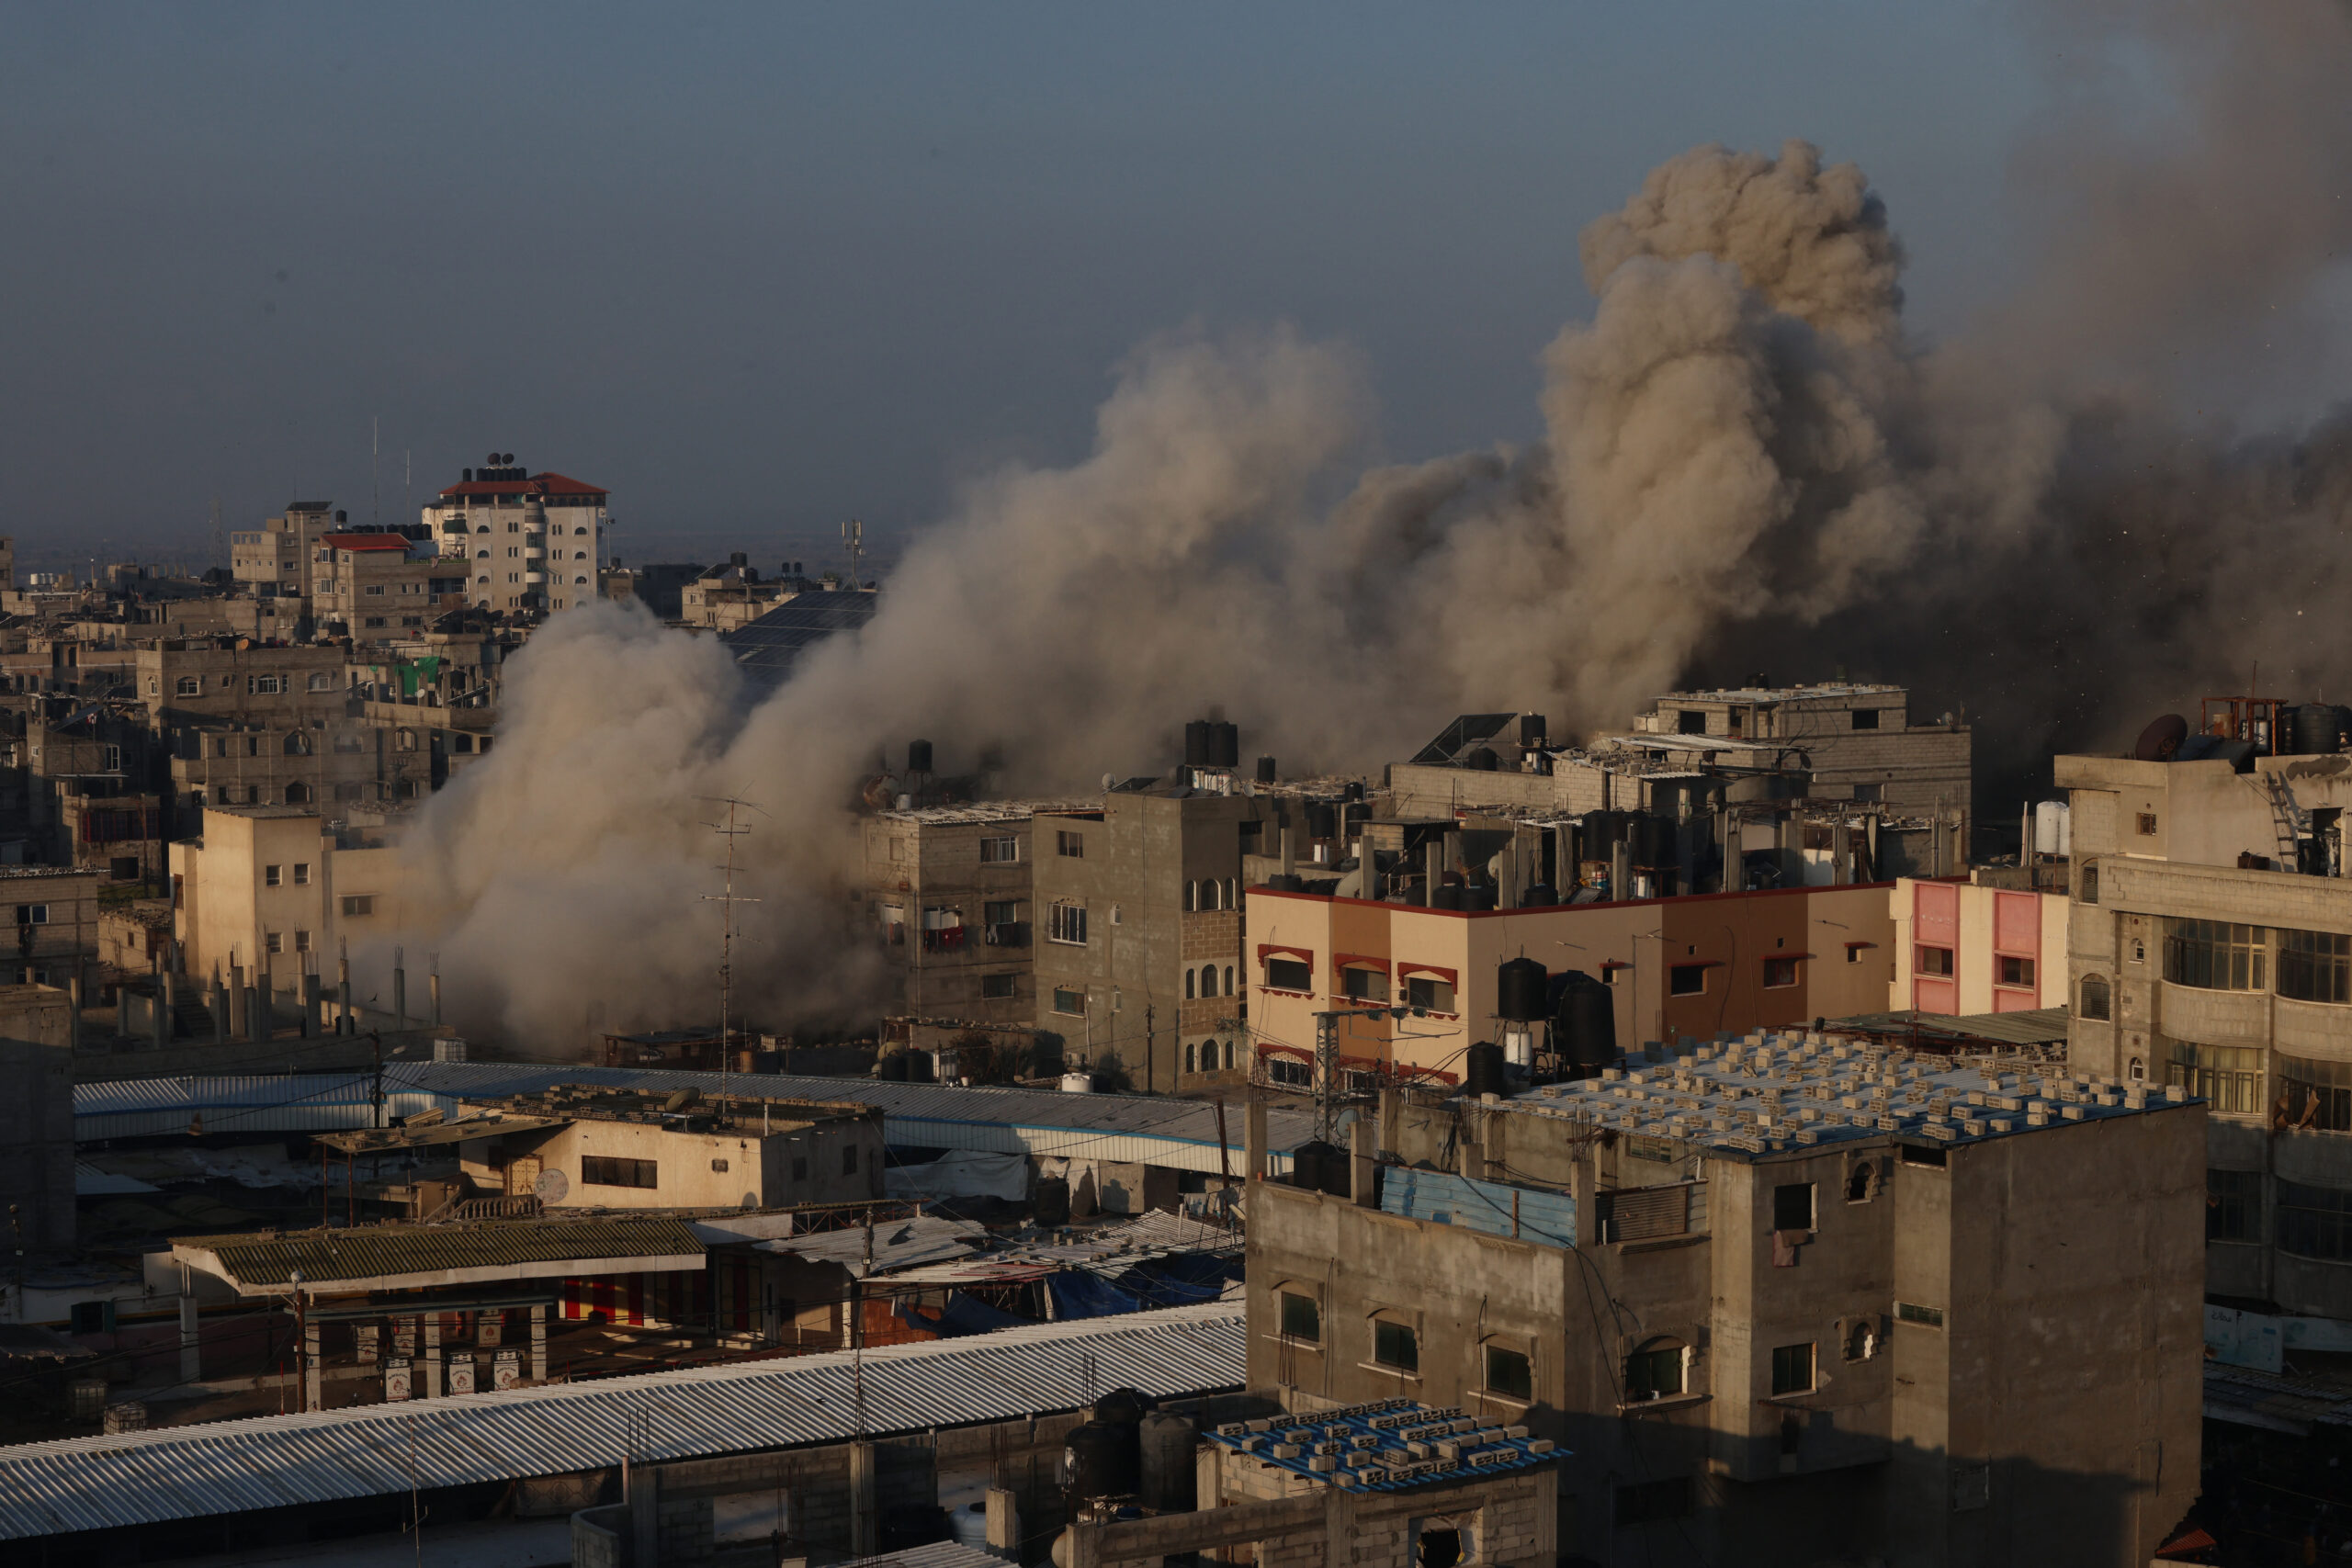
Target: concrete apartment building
<point x="1962" y="948"/>
<point x="1857" y="741"/>
<point x="1139" y="931"/>
<point x="950" y="896"/>
<point x="616" y="1149"/>
<point x="1784" y="1301"/>
<point x="529" y="541"/>
<point x="2192" y="960"/>
<point x="726" y="597"/>
<point x="277" y="890"/>
<point x="49" y="917"/>
<point x="1695" y="966"/>
<point x="276" y="560"/>
<point x="378" y="587"/>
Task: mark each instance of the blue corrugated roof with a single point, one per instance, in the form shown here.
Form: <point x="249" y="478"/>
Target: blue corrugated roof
<point x="1526" y="1212"/>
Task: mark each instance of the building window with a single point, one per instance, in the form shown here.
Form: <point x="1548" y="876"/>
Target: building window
<point x="188" y="686"/>
<point x="323" y="681"/>
<point x="2315" y="967"/>
<point x="1932" y="961"/>
<point x="1659" y="1370"/>
<point x="301" y="941"/>
<point x="1302" y="1318"/>
<point x="1002" y="851"/>
<point x="1192" y="896"/>
<point x="2229" y="1078"/>
<point x="606" y="1171"/>
<point x="272" y="875"/>
<point x="2317" y="1096"/>
<point x="2215" y="955"/>
<point x="999" y="985"/>
<point x="2147" y="824"/>
<point x="2016" y="971"/>
<point x="1690" y="721"/>
<point x="301" y="873"/>
<point x="2086" y="882"/>
<point x="274" y="940"/>
<point x="1289" y="1072"/>
<point x="1067" y="922"/>
<point x="1069" y="1002"/>
<point x="1793" y="1369"/>
<point x="1865" y="718"/>
<point x="1780" y="973"/>
<point x="1925" y="1317"/>
<point x="2232" y="1206"/>
<point x="1650" y="1501"/>
<point x="1686" y="980"/>
<point x="1361" y="985"/>
<point x="1429" y="993"/>
<point x="1870" y="794"/>
<point x="1208" y="979"/>
<point x="1192" y="1057"/>
<point x="1861" y="1340"/>
<point x="359" y="904"/>
<point x="1070" y="845"/>
<point x="1395" y="1346"/>
<point x="1228" y="981"/>
<point x="2097" y="998"/>
<point x="32" y="914"/>
<point x="1510" y="1373"/>
<point x="1861" y="1182"/>
<point x="849" y="1159"/>
<point x="265" y="685"/>
<point x="1792" y="1206"/>
<point x="1289" y="975"/>
<point x="1188" y="985"/>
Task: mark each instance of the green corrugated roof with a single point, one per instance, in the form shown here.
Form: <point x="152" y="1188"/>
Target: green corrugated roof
<point x="376" y="1252"/>
<point x="2034" y="1026"/>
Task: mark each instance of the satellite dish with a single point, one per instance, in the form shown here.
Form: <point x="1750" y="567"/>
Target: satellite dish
<point x="508" y="459"/>
<point x="552" y="1186"/>
<point x="1107" y="780"/>
<point x="492" y="459"/>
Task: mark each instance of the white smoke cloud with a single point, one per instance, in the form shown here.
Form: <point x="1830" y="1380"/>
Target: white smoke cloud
<point x="1746" y="465"/>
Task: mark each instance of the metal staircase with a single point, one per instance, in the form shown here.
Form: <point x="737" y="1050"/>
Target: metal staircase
<point x="2291" y="821"/>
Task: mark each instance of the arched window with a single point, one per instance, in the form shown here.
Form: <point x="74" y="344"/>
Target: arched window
<point x="2139" y="1070"/>
<point x="1188" y="985"/>
<point x="1208" y="979"/>
<point x="2096" y="999"/>
<point x="407" y="741"/>
<point x="1233" y="893"/>
<point x="1188" y="1057"/>
<point x="1228" y="1055"/>
<point x="1658" y="1369"/>
<point x="1861" y="1340"/>
<point x="1861" y="1182"/>
<point x="1229" y="979"/>
<point x="297" y="794"/>
<point x="298" y="743"/>
<point x="1192" y="896"/>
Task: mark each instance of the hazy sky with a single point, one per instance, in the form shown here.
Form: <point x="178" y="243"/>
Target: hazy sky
<point x="758" y="268"/>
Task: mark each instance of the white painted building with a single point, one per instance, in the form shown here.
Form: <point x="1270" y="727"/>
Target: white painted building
<point x="529" y="541"/>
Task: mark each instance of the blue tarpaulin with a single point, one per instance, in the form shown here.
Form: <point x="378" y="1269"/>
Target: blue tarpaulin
<point x="1181" y="1280"/>
<point x="965" y="1315"/>
<point x="1077" y="1294"/>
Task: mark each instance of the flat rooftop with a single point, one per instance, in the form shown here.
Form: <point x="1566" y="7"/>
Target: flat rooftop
<point x="685" y="1109"/>
<point x="1388" y="1445"/>
<point x="1784" y="693"/>
<point x="1771" y="1093"/>
<point x="986" y="811"/>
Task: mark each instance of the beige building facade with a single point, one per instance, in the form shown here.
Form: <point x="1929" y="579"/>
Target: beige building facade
<point x="1960" y="948"/>
<point x="274" y="890"/>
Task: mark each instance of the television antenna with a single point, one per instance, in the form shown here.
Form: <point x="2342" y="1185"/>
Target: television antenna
<point x="854" y="536"/>
<point x="727" y="901"/>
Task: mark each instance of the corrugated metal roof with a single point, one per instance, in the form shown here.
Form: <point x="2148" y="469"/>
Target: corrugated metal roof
<point x="1548" y="1218"/>
<point x="1147" y="1129"/>
<point x="227" y="1467"/>
<point x="2031" y="1026"/>
<point x="897" y="1244"/>
<point x="382" y="1252"/>
<point x="938" y="1555"/>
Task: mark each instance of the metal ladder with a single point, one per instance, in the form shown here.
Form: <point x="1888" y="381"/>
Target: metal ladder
<point x="2291" y="821"/>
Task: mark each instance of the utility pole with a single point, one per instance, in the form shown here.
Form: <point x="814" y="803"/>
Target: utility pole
<point x="854" y="536"/>
<point x="727" y="901"/>
<point x="376" y="1100"/>
<point x="1150" y="1040"/>
<point x="1327" y="1067"/>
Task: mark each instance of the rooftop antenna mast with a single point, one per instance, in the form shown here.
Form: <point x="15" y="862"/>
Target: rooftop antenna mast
<point x="727" y="902"/>
<point x="854" y="535"/>
<point x="220" y="544"/>
<point x="375" y="482"/>
<point x="408" y="475"/>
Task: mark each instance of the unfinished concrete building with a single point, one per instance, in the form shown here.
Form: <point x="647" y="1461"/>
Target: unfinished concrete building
<point x="2210" y="946"/>
<point x="1785" y="1300"/>
<point x="948" y="891"/>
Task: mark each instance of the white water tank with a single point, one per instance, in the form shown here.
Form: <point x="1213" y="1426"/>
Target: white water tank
<point x="2053" y="830"/>
<point x="1077" y="1083"/>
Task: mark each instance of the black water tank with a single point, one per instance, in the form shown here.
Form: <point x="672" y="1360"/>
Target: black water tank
<point x="1539" y="895"/>
<point x="1100" y="1458"/>
<point x="1482" y="1071"/>
<point x="1530" y="730"/>
<point x="919" y="1066"/>
<point x="1320" y="1167"/>
<point x="1480" y="760"/>
<point x="1197" y="743"/>
<point x="1351" y="790"/>
<point x="1651" y="841"/>
<point x="1447" y="897"/>
<point x="1225" y="745"/>
<point x="891" y="1067"/>
<point x="2317" y="727"/>
<point x="1602" y="831"/>
<point x="1052" y="1206"/>
<point x="917" y="756"/>
<point x="1307" y="1165"/>
<point x="1122" y="1407"/>
<point x="1322" y="819"/>
<point x="1520" y="987"/>
<point x="1285" y="882"/>
<point x="2238" y="754"/>
<point x="1584" y="1031"/>
<point x="1266" y="770"/>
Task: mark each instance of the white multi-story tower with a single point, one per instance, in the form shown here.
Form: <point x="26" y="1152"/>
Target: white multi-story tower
<point x="529" y="541"/>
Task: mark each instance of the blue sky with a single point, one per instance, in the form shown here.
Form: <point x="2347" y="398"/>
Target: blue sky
<point x="758" y="268"/>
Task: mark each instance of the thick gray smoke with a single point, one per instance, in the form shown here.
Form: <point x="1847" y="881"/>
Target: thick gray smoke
<point x="1749" y="465"/>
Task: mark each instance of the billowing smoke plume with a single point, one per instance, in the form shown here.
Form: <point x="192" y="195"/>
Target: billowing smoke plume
<point x="1749" y="465"/>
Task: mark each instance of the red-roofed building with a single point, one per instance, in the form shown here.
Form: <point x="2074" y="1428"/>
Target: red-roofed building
<point x="379" y="584"/>
<point x="529" y="541"/>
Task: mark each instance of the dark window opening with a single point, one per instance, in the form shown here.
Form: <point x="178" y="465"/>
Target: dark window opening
<point x="1933" y="960"/>
<point x="1657" y="1371"/>
<point x="1793" y="1369"/>
<point x="1780" y="973"/>
<point x="1865" y="718"/>
<point x="1302" y="1318"/>
<point x="2016" y="971"/>
<point x="1686" y="980"/>
<point x="2232" y="1206"/>
<point x="2098" y="999"/>
<point x="1510" y="1373"/>
<point x="1395" y="1345"/>
<point x="1792" y="1206"/>
<point x="606" y="1171"/>
<point x="1289" y="975"/>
